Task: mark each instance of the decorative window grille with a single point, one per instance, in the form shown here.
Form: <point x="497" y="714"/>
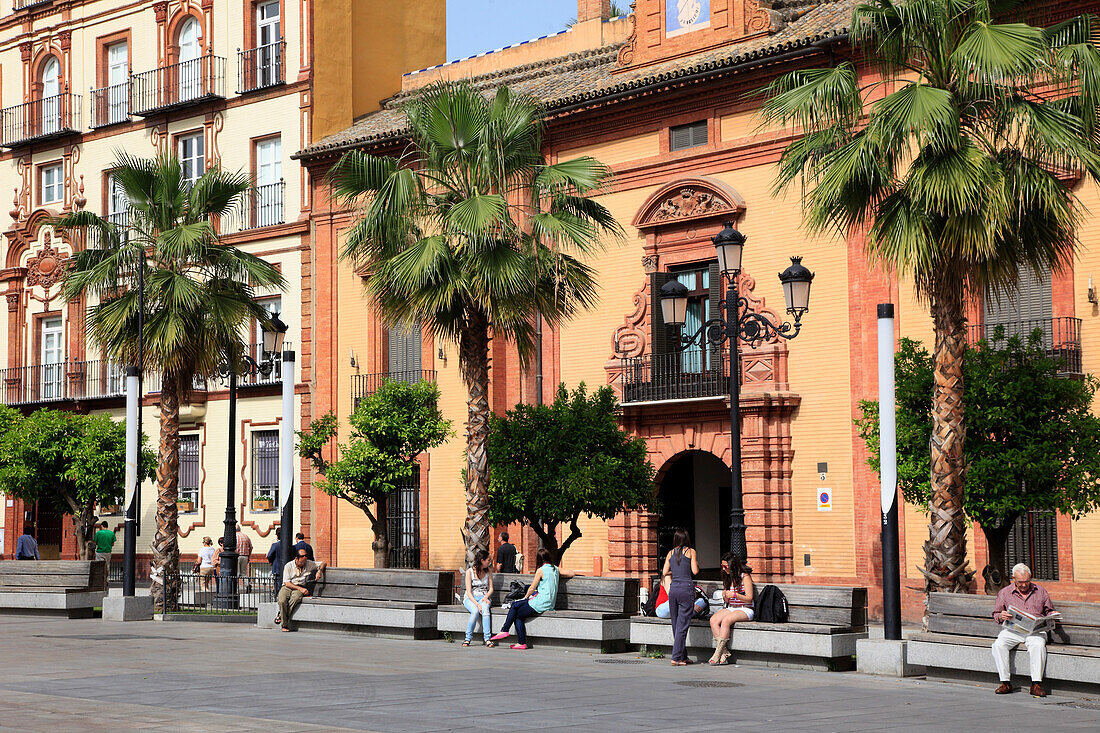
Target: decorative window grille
<point x="189" y="469"/>
<point x="404" y="524"/>
<point x="265" y="467"/>
<point x="1034" y="542"/>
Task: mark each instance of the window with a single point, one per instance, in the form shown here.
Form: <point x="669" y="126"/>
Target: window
<point x="189" y="470"/>
<point x="118" y="82"/>
<point x="190" y="64"/>
<point x="403" y="351"/>
<point x="698" y="279"/>
<point x="118" y="206"/>
<point x="404" y="524"/>
<point x="192" y="156"/>
<point x="268" y="41"/>
<point x="52" y="357"/>
<point x="52" y="178"/>
<point x="265" y="470"/>
<point x="1034" y="542"/>
<point x="269" y="182"/>
<point x="693" y="135"/>
<point x="51" y="96"/>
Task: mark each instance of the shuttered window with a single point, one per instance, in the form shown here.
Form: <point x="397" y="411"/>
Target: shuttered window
<point x="403" y="350"/>
<point x="1023" y="309"/>
<point x="189" y="469"/>
<point x="693" y="135"/>
<point x="1034" y="542"/>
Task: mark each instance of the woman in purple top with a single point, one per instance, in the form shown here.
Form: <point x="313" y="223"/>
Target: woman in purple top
<point x="680" y="565"/>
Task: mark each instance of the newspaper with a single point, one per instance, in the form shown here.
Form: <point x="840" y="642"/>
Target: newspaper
<point x="1026" y="623"/>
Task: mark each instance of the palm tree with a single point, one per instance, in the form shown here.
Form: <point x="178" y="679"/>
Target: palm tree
<point x="198" y="298"/>
<point x="471" y="232"/>
<point x="952" y="173"/>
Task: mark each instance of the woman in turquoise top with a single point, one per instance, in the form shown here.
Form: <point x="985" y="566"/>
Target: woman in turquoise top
<point x="540" y="598"/>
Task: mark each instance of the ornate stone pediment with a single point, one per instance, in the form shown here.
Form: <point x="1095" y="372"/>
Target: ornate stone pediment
<point x="693" y="199"/>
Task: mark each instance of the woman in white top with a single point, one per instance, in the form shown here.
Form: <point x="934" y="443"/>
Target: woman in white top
<point x="206" y="562"/>
<point x="478" y="597"/>
<point x="737" y="595"/>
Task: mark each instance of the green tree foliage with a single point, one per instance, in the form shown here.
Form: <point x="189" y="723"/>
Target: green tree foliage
<point x="1032" y="440"/>
<point x="946" y="155"/>
<point x="554" y="463"/>
<point x="389" y="429"/>
<point x="67" y="461"/>
<point x="471" y="232"/>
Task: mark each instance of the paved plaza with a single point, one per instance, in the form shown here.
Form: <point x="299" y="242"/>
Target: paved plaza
<point x="93" y="675"/>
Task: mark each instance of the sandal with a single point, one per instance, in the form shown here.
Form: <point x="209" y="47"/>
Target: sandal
<point x="466" y="643"/>
<point x="490" y="643"/>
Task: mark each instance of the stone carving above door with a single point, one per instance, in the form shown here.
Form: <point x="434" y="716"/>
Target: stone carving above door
<point x="689" y="200"/>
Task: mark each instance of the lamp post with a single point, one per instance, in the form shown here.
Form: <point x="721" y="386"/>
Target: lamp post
<point x="273" y="334"/>
<point x="736" y="322"/>
<point x="134" y="378"/>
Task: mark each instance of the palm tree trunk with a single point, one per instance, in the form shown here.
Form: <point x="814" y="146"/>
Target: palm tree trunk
<point x="473" y="354"/>
<point x="166" y="555"/>
<point x="945" y="563"/>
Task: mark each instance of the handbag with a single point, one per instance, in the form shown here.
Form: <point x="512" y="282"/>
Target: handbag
<point x="516" y="592"/>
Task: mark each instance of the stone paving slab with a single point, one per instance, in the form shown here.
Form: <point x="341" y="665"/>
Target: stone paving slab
<point x="90" y="675"/>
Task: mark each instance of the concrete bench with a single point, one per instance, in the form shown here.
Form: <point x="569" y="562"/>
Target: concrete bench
<point x="372" y="602"/>
<point x="69" y="587"/>
<point x="591" y="612"/>
<point x="960" y="635"/>
<point x="824" y="624"/>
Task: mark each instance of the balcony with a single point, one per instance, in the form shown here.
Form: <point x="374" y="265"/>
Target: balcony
<point x="364" y="385"/>
<point x="40" y="119"/>
<point x="178" y="85"/>
<point x="27" y="4"/>
<point x="1061" y="338"/>
<point x="110" y="105"/>
<point x="692" y="375"/>
<point x="261" y="207"/>
<point x="261" y="67"/>
<point x="65" y="381"/>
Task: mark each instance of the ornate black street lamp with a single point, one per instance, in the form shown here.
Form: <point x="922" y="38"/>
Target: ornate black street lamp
<point x="736" y="322"/>
<point x="273" y="334"/>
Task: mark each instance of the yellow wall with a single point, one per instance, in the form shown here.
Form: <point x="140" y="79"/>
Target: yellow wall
<point x="383" y="40"/>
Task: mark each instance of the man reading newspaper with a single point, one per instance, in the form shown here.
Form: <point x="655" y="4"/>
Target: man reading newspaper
<point x="1022" y="595"/>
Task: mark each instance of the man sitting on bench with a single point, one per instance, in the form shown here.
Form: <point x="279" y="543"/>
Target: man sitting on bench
<point x="1026" y="596"/>
<point x="298" y="578"/>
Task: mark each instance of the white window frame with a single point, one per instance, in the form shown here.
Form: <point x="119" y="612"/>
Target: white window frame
<point x="193" y="162"/>
<point x="51" y="184"/>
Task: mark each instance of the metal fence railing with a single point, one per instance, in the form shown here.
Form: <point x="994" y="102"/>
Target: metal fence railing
<point x="220" y="594"/>
<point x="364" y="385"/>
<point x="40" y="119"/>
<point x="60" y="382"/>
<point x="1060" y="338"/>
<point x="177" y="85"/>
<point x="678" y="376"/>
<point x="110" y="105"/>
<point x="261" y="67"/>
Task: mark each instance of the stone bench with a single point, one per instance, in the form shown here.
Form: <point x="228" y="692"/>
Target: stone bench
<point x="591" y="612"/>
<point x="960" y="636"/>
<point x="373" y="602"/>
<point x="69" y="587"/>
<point x="824" y="624"/>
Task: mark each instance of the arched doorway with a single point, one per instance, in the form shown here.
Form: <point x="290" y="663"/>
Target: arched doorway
<point x="190" y="60"/>
<point x="694" y="493"/>
<point x="51" y="96"/>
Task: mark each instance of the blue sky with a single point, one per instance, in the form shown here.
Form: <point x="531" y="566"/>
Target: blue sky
<point x="474" y="26"/>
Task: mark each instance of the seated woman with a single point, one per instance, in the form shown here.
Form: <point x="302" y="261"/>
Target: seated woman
<point x="738" y="595"/>
<point x="662" y="610"/>
<point x="540" y="598"/>
<point x="478" y="598"/>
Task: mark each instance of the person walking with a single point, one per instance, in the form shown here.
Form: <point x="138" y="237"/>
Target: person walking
<point x="737" y="594"/>
<point x="105" y="541"/>
<point x="681" y="564"/>
<point x="275" y="560"/>
<point x="540" y="598"/>
<point x="301" y="544"/>
<point x="26" y="547"/>
<point x="479" y="597"/>
<point x="244" y="552"/>
<point x="206" y="562"/>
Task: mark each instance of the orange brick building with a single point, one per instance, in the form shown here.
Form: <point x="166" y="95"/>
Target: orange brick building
<point x="662" y="96"/>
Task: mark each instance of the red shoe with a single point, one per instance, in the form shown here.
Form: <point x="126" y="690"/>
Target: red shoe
<point x="498" y="637"/>
<point x="521" y="647"/>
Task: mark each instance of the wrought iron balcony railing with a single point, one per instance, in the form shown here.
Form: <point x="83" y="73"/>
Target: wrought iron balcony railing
<point x="178" y="85"/>
<point x="1061" y="338"/>
<point x="25" y="4"/>
<point x="110" y="105"/>
<point x="694" y="374"/>
<point x="61" y="382"/>
<point x="364" y="385"/>
<point x="260" y="207"/>
<point x="261" y="67"/>
<point x="40" y="119"/>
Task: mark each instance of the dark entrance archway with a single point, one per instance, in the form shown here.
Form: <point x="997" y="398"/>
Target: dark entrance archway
<point x="694" y="493"/>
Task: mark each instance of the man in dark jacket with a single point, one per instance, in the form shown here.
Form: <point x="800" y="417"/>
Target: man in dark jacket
<point x="275" y="557"/>
<point x="301" y="544"/>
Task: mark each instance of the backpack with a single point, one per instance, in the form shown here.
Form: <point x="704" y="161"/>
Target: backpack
<point x="704" y="612"/>
<point x="649" y="608"/>
<point x="771" y="606"/>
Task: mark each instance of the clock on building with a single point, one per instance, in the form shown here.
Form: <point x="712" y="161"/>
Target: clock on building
<point x="684" y="16"/>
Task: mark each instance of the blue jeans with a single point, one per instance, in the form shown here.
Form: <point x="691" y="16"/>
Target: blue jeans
<point x="518" y="611"/>
<point x="475" y="610"/>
